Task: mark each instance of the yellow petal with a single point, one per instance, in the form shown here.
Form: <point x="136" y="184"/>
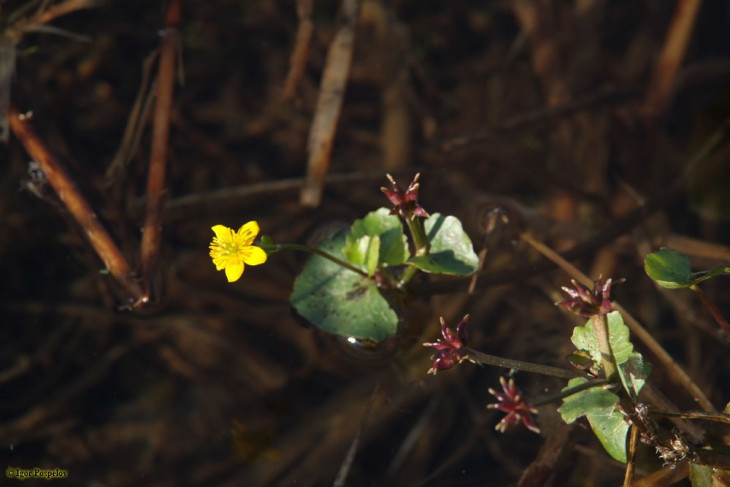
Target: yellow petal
<point x="248" y="231"/>
<point x="222" y="232"/>
<point x="234" y="271"/>
<point x="220" y="263"/>
<point x="253" y="255"/>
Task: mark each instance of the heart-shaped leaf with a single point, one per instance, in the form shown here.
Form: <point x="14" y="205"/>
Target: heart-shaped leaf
<point x="389" y="230"/>
<point x="450" y="249"/>
<point x="340" y="301"/>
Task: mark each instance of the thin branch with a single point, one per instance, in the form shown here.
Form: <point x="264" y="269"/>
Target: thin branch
<point x="300" y="53"/>
<point x="664" y="76"/>
<point x="507" y="363"/>
<point x="160" y="135"/>
<point x="329" y="104"/>
<point x="77" y="205"/>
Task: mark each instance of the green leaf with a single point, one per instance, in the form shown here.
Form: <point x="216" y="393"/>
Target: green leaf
<point x="365" y="252"/>
<point x="584" y="339"/>
<point x="388" y="228"/>
<point x="598" y="405"/>
<point x="619" y="337"/>
<point x="633" y="373"/>
<point x="698" y="277"/>
<point x="632" y="368"/>
<point x="700" y="475"/>
<point x="671" y="269"/>
<point x="340" y="301"/>
<point x="668" y="268"/>
<point x="450" y="249"/>
<point x="578" y="404"/>
<point x="611" y="429"/>
<point x="581" y="360"/>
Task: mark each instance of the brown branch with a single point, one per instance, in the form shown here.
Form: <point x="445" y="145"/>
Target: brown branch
<point x="160" y="135"/>
<point x="77" y="205"/>
<point x="664" y="76"/>
<point x="668" y="475"/>
<point x="16" y="31"/>
<point x="329" y="104"/>
<point x="136" y="122"/>
<point x="300" y="53"/>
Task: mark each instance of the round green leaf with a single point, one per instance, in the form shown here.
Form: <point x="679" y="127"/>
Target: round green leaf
<point x="388" y="228"/>
<point x="450" y="249"/>
<point x="340" y="301"/>
<point x="668" y="268"/>
<point x="671" y="269"/>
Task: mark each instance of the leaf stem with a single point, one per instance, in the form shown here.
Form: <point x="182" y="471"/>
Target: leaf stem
<point x="418" y="233"/>
<point x="600" y="330"/>
<point x="407" y="275"/>
<point x="713" y="309"/>
<point x="314" y="250"/>
<point x="484" y="358"/>
<point x="569" y="392"/>
<point x="420" y="242"/>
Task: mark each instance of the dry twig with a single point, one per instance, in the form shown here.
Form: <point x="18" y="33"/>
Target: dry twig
<point x="663" y="79"/>
<point x="78" y="207"/>
<point x="160" y="134"/>
<point x="300" y="54"/>
<point x="329" y="104"/>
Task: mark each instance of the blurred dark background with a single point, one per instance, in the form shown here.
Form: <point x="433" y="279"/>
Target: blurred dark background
<point x="536" y="107"/>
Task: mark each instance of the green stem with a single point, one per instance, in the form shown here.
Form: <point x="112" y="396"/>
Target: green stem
<point x="712" y="308"/>
<point x="418" y="233"/>
<point x="420" y="242"/>
<point x="314" y="250"/>
<point x="484" y="358"/>
<point x="569" y="392"/>
<point x="600" y="330"/>
<point x="407" y="275"/>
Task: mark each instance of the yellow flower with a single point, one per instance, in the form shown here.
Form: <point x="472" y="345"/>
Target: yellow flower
<point x="231" y="250"/>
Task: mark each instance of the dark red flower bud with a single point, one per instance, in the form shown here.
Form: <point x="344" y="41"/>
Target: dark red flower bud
<point x="585" y="302"/>
<point x="511" y="402"/>
<point x="452" y="349"/>
<point x="405" y="203"/>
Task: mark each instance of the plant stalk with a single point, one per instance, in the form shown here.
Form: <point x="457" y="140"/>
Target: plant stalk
<point x="569" y="392"/>
<point x="713" y="309"/>
<point x="420" y="242"/>
<point x="484" y="358"/>
<point x="315" y="250"/>
<point x="418" y="233"/>
<point x="600" y="330"/>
